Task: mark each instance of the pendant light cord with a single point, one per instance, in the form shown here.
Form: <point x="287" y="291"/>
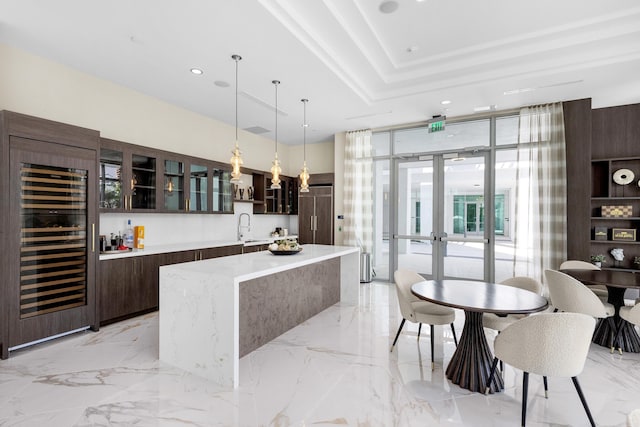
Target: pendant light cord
<point x="276" y="83"/>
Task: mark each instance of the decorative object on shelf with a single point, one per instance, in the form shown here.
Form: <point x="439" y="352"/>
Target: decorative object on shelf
<point x="235" y="191"/>
<point x="618" y="256"/>
<point x="236" y="159"/>
<point x="626" y="234"/>
<point x="636" y="261"/>
<point x="304" y="172"/>
<point x="241" y="194"/>
<point x="598" y="260"/>
<point x="250" y="192"/>
<point x="611" y="211"/>
<point x="600" y="233"/>
<point x="275" y="168"/>
<point x="623" y="176"/>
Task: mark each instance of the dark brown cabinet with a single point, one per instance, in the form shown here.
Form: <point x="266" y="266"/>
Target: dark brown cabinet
<point x="275" y="201"/>
<point x="47" y="231"/>
<point x="128" y="177"/>
<point x="134" y="178"/>
<point x="315" y="216"/>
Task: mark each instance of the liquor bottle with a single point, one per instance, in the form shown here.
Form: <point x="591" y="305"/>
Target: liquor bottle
<point x="128" y="235"/>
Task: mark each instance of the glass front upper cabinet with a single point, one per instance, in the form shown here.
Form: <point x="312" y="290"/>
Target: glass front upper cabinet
<point x="174" y="198"/>
<point x="127" y="178"/>
<point x="222" y="191"/>
<point x="198" y="188"/>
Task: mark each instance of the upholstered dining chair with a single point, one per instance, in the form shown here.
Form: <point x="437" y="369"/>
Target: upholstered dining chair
<point x="498" y="323"/>
<point x="569" y="294"/>
<point x="418" y="311"/>
<point x="559" y="349"/>
<point x="599" y="290"/>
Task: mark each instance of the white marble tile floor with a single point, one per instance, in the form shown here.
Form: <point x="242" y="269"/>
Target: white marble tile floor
<point x="334" y="369"/>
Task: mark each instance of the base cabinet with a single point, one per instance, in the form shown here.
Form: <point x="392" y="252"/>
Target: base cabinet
<point x="129" y="286"/>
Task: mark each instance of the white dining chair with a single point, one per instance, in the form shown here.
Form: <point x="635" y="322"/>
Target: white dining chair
<point x="418" y="311"/>
<point x="599" y="290"/>
<point x="633" y="419"/>
<point x="569" y="294"/>
<point x="548" y="344"/>
<point x="497" y="322"/>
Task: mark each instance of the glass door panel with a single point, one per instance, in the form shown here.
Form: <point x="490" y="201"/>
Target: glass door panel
<point x="198" y="189"/>
<point x="143" y="182"/>
<point x="222" y="194"/>
<point x="173" y="185"/>
<point x="414" y="216"/>
<point x="110" y="179"/>
<point x="462" y="238"/>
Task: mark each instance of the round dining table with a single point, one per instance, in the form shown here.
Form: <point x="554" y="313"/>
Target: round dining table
<point x="617" y="282"/>
<point x="470" y="364"/>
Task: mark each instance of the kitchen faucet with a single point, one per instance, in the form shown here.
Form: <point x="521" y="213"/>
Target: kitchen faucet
<point x="240" y="226"/>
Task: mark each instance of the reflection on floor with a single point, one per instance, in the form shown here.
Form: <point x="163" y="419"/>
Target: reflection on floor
<point x="335" y="369"/>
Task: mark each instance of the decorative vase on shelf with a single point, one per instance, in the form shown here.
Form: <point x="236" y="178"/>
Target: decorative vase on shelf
<point x="598" y="264"/>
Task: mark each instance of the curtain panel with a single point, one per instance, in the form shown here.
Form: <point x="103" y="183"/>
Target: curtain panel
<point x="541" y="191"/>
<point x="358" y="190"/>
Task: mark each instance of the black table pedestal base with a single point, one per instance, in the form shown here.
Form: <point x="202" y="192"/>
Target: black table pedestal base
<point x="628" y="339"/>
<point x="470" y="364"/>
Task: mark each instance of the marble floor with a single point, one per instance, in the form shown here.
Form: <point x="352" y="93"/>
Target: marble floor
<point x="333" y="370"/>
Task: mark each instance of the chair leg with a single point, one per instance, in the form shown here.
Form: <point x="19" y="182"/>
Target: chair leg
<point x="546" y="387"/>
<point x="613" y="338"/>
<point x="583" y="400"/>
<point x="432" y="330"/>
<point x="525" y="392"/>
<point x="491" y="374"/>
<point x="419" y="329"/>
<point x="453" y="330"/>
<point x="397" y="334"/>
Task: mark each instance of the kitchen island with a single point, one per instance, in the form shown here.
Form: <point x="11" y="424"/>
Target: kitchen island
<point x="215" y="311"/>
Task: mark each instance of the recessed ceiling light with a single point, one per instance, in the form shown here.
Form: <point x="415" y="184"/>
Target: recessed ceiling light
<point x="197" y="71"/>
<point x="517" y="91"/>
<point x="445" y="102"/>
<point x="412" y="49"/>
<point x="388" y="6"/>
<point x="221" y="83"/>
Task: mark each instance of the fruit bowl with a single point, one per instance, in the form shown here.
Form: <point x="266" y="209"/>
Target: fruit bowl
<point x="286" y="252"/>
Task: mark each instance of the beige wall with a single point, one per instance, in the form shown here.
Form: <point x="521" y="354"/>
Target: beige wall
<point x="35" y="86"/>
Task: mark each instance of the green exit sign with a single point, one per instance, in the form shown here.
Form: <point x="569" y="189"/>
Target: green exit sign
<point x="436" y="126"/>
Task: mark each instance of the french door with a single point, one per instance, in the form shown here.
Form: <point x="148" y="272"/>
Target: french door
<point x="441" y="226"/>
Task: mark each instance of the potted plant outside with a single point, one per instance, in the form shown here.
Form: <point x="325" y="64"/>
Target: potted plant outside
<point x="598" y="260"/>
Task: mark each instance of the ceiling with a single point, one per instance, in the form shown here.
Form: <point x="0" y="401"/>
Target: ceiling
<point x="358" y="66"/>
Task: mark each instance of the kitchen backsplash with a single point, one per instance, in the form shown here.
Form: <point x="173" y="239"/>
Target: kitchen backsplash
<point x="166" y="229"/>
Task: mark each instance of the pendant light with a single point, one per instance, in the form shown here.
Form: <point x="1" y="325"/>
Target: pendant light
<point x="275" y="168"/>
<point x="236" y="159"/>
<point x="304" y="172"/>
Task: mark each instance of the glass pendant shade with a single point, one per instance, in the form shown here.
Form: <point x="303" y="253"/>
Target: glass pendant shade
<point x="276" y="170"/>
<point x="236" y="159"/>
<point x="304" y="172"/>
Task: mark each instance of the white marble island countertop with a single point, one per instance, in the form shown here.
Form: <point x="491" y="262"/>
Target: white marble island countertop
<point x="202" y="303"/>
<point x="257" y="264"/>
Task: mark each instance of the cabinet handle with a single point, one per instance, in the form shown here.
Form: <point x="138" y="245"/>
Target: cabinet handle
<point x="93" y="237"/>
<point x="130" y="202"/>
<point x="315" y="223"/>
<point x="311" y="223"/>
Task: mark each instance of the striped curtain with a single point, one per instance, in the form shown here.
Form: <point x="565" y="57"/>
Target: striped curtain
<point x="541" y="192"/>
<point x="358" y="190"/>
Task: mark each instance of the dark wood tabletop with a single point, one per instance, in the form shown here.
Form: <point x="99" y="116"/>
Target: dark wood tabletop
<point x="479" y="296"/>
<point x="613" y="278"/>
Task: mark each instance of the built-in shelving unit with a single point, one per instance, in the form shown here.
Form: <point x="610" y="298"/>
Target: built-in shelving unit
<point x="605" y="192"/>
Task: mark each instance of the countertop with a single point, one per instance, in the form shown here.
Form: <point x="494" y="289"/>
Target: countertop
<point x="189" y="246"/>
<point x="257" y="264"/>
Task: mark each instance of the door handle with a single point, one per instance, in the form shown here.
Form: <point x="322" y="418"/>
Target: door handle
<point x="311" y="223"/>
<point x="93" y="237"/>
<point x="315" y="223"/>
